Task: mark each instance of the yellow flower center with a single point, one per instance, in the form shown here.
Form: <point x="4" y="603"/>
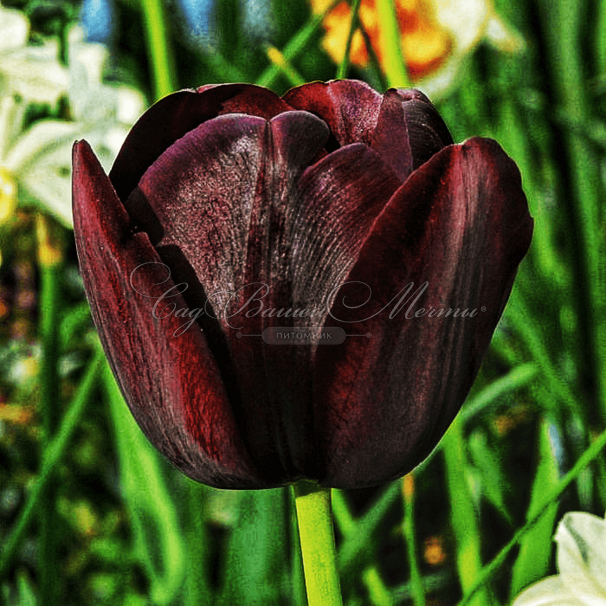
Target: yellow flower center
<point x="8" y="195"/>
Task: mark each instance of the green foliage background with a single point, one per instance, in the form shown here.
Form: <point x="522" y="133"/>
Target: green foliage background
<point x="90" y="514"/>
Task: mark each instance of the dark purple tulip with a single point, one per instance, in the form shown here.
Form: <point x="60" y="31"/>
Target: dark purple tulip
<point x="236" y="224"/>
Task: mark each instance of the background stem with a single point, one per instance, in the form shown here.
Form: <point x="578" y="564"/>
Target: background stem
<point x="158" y="47"/>
<point x="50" y="261"/>
<point x="392" y="60"/>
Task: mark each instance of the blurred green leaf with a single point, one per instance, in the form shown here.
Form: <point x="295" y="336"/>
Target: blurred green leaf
<point x="354" y="548"/>
<point x="463" y="514"/>
<point x="53" y="455"/>
<point x="515" y="379"/>
<point x="158" y="540"/>
<point x="255" y="570"/>
<point x="532" y="562"/>
<point x="491" y="478"/>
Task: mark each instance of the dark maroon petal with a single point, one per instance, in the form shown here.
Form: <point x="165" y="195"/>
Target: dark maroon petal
<point x="175" y="115"/>
<point x="409" y="131"/>
<point x="340" y="198"/>
<point x="461" y="224"/>
<point x="235" y="198"/>
<point x="349" y="107"/>
<point x="165" y="370"/>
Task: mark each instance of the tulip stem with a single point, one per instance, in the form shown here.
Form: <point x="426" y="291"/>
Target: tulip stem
<point x="317" y="544"/>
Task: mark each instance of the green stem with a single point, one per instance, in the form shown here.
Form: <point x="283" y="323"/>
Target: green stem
<point x="393" y="61"/>
<point x="463" y="516"/>
<point x="51" y="266"/>
<point x="317" y="544"/>
<point x="158" y="47"/>
<point x="416" y="580"/>
<point x="342" y="71"/>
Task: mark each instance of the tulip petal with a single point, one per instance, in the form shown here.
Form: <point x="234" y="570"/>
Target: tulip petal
<point x="341" y="195"/>
<point x="219" y="195"/>
<point x="409" y="131"/>
<point x="461" y="224"/>
<point x="175" y="115"/>
<point x="259" y="231"/>
<point x="167" y="373"/>
<point x="349" y="107"/>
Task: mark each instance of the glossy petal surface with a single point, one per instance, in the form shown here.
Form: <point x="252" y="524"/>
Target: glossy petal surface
<point x="240" y="214"/>
<point x="460" y="224"/>
<point x="164" y="371"/>
<point x="349" y="107"/>
<point x="175" y="115"/>
<point x="231" y="212"/>
<point x="409" y="131"/>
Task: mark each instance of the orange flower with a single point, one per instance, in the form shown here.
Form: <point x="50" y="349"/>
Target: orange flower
<point x="435" y="34"/>
<point x="425" y="42"/>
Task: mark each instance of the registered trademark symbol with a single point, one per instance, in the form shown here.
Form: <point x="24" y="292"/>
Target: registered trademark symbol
<point x="482" y="308"/>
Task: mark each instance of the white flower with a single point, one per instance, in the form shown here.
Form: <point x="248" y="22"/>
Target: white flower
<point x="469" y="22"/>
<point x="38" y="160"/>
<point x="30" y="71"/>
<point x="581" y="561"/>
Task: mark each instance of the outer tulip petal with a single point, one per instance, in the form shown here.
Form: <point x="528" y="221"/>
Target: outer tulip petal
<point x="231" y="196"/>
<point x="166" y="372"/>
<point x="349" y="107"/>
<point x="460" y="223"/>
<point x="409" y="131"/>
<point x="175" y="115"/>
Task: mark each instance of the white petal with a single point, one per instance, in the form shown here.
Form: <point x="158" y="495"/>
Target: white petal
<point x="39" y="140"/>
<point x="34" y="72"/>
<point x="581" y="539"/>
<point x="41" y="162"/>
<point x="548" y="592"/>
<point x="12" y="113"/>
<point x="503" y="37"/>
<point x="466" y="20"/>
<point x="131" y="104"/>
<point x="14" y="29"/>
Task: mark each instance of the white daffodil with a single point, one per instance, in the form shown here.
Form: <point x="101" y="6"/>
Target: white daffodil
<point x="30" y="71"/>
<point x="468" y="22"/>
<point x="581" y="561"/>
<point x="37" y="162"/>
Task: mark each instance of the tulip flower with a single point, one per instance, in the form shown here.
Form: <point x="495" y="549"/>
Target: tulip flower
<point x="297" y="287"/>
